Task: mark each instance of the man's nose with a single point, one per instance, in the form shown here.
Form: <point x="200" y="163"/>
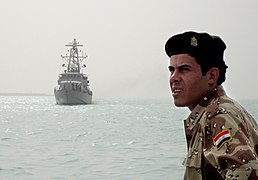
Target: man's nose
<point x="174" y="77"/>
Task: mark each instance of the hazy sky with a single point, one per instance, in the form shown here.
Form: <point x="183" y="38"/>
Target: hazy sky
<point x="124" y="40"/>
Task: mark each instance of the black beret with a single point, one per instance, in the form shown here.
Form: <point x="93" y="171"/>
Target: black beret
<point x="202" y="46"/>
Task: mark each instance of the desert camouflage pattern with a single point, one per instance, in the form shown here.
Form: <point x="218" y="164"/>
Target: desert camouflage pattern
<point x="235" y="159"/>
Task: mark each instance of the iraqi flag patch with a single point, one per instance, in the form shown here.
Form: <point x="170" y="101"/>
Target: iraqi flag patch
<point x="222" y="137"/>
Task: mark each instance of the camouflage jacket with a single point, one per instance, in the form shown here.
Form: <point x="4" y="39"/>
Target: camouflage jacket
<point x="222" y="140"/>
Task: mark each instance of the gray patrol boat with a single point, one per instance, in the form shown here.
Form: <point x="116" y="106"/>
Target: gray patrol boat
<point x="73" y="85"/>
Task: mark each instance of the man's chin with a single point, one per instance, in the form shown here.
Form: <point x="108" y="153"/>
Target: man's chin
<point x="178" y="104"/>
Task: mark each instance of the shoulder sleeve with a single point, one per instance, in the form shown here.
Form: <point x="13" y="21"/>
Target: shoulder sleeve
<point x="228" y="146"/>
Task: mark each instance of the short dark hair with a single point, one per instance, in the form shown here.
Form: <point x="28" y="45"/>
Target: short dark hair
<point x="205" y="67"/>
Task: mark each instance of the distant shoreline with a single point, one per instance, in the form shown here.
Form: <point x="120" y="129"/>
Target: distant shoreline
<point x="24" y="94"/>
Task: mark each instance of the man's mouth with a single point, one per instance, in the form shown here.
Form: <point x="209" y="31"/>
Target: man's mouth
<point x="176" y="91"/>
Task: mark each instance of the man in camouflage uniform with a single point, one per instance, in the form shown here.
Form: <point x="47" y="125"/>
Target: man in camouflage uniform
<point x="222" y="141"/>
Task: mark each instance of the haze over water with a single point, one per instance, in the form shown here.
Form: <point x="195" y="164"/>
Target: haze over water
<point x="124" y="41"/>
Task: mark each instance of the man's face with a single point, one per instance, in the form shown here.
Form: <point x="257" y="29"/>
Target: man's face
<point x="187" y="84"/>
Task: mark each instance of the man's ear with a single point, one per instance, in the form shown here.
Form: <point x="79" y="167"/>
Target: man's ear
<point x="213" y="75"/>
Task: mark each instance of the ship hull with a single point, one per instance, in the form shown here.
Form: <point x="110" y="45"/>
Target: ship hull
<point x="71" y="97"/>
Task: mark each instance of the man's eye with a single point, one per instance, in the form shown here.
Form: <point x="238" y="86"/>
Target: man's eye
<point x="184" y="69"/>
<point x="171" y="69"/>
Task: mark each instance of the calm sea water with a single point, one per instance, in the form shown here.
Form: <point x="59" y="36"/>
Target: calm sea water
<point x="110" y="139"/>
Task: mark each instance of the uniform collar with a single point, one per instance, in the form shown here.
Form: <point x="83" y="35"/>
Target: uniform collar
<point x="194" y="117"/>
<point x="211" y="95"/>
<point x="200" y="108"/>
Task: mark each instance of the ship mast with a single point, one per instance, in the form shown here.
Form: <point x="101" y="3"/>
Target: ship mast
<point x="74" y="60"/>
